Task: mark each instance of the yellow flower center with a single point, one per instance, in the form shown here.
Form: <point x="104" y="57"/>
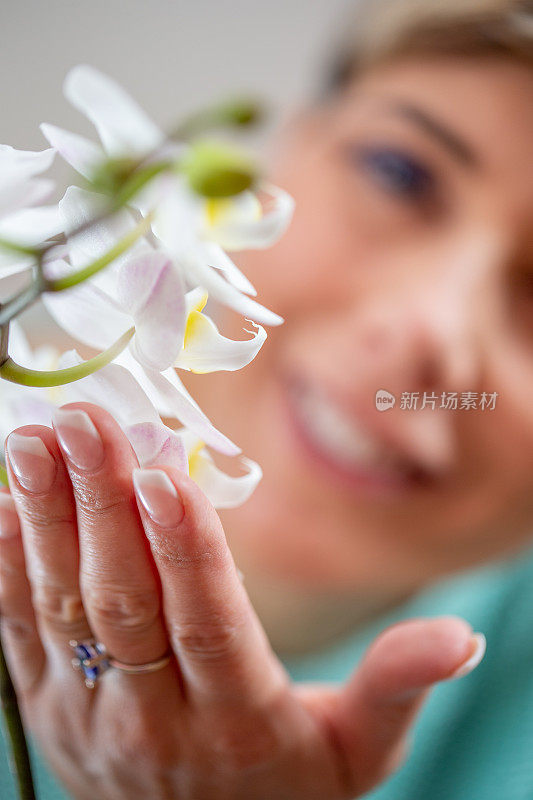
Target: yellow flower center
<point x="195" y="457"/>
<point x="194" y="318"/>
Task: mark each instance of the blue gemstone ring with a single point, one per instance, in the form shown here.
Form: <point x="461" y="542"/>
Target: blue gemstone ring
<point x="92" y="660"/>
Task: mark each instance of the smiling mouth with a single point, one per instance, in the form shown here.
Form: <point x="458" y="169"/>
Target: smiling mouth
<point x="351" y="452"/>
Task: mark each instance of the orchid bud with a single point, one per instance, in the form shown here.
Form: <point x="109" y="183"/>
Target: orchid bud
<point x="233" y="113"/>
<point x="239" y="112"/>
<point x="215" y="170"/>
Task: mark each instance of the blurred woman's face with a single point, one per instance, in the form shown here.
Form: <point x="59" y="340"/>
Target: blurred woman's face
<point x="408" y="268"/>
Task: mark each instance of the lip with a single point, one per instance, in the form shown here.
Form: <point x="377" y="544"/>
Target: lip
<point x="369" y="481"/>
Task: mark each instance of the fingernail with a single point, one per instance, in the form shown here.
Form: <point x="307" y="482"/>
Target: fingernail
<point x="79" y="438"/>
<point x="31" y="462"/>
<point x="9" y="522"/>
<point x="478" y="647"/>
<point x="159" y="496"/>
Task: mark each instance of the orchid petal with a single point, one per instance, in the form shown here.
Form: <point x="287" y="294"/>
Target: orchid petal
<point x="20" y="404"/>
<point x="30" y="226"/>
<point x="196" y="299"/>
<point x="82" y="154"/>
<point x="114" y="388"/>
<point x="223" y="291"/>
<point x="19" y="347"/>
<point x="242" y="208"/>
<point x="206" y="350"/>
<point x="223" y="490"/>
<point x="24" y="194"/>
<point x="178" y="225"/>
<point x="177" y="217"/>
<point x="86" y="313"/>
<point x="215" y="256"/>
<point x="78" y="207"/>
<point x="12" y="264"/>
<point x="150" y="288"/>
<point x="171" y="399"/>
<point x="157" y="444"/>
<point x="124" y="128"/>
<point x="239" y="227"/>
<point x="16" y="166"/>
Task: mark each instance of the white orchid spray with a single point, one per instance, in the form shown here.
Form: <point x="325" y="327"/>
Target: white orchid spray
<point x="23" y="223"/>
<point x="125" y="263"/>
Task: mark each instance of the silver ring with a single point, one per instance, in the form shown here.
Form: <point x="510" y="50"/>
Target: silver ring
<point x="92" y="659"/>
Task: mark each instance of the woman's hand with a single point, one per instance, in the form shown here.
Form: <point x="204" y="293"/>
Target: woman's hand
<point x="151" y="573"/>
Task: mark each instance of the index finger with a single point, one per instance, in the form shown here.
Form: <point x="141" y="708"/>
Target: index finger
<point x="224" y="654"/>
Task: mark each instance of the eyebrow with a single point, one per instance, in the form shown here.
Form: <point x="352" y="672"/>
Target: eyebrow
<point x="452" y="141"/>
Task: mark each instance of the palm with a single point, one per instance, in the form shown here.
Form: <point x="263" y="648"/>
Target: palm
<point x="221" y="720"/>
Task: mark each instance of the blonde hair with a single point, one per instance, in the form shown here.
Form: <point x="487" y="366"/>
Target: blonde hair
<point x="383" y="30"/>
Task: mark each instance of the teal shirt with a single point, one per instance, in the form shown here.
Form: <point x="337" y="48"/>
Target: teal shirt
<point x="474" y="738"/>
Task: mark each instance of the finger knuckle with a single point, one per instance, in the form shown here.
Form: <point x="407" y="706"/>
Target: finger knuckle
<point x="17" y="630"/>
<point x="62" y="608"/>
<point x="39" y="517"/>
<point x="118" y="607"/>
<point x="102" y="496"/>
<point x="210" y="639"/>
<point x="11" y="572"/>
<point x="191" y="553"/>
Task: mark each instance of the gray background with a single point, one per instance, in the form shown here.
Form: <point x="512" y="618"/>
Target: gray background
<point x="173" y="55"/>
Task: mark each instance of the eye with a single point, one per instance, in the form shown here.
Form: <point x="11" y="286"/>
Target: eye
<point x="396" y="171"/>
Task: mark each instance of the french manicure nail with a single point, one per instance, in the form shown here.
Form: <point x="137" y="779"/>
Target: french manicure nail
<point x="159" y="496"/>
<point x="31" y="462"/>
<point x="9" y="523"/>
<point x="478" y="647"/>
<point x="79" y="438"/>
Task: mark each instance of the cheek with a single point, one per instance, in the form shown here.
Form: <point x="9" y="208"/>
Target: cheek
<point x="308" y="266"/>
<point x="493" y="514"/>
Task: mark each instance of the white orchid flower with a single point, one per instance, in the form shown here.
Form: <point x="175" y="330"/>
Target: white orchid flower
<point x="191" y="228"/>
<point x="205" y="349"/>
<point x="18" y="185"/>
<point x="143" y="290"/>
<point x="115" y="389"/>
<point x="20" y="190"/>
<point x="195" y="230"/>
<point x="222" y="490"/>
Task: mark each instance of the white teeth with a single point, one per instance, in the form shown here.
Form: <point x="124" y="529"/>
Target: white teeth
<point x="339" y="436"/>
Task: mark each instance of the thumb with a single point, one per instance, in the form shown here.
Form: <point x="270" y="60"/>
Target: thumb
<point x="373" y="712"/>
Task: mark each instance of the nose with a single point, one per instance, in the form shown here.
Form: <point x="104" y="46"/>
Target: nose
<point x="425" y="327"/>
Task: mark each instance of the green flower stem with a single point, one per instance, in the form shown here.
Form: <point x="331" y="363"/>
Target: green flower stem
<point x="40" y="284"/>
<point x="16" y="304"/>
<point x="19" y="756"/>
<point x="20" y="249"/>
<point x="11" y="371"/>
<point x="138" y="181"/>
<point x="3" y="475"/>
<point x="233" y="113"/>
<point x="68" y="281"/>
